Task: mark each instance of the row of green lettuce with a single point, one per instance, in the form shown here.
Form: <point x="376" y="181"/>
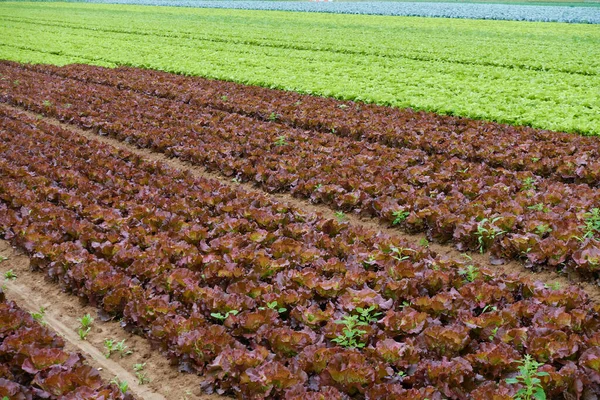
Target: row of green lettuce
<point x="545" y="75"/>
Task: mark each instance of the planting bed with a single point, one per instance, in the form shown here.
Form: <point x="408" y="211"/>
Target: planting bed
<point x="446" y="184"/>
<point x="35" y="365"/>
<point x="247" y="291"/>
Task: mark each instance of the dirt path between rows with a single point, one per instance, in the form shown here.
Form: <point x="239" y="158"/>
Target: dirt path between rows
<point x="513" y="267"/>
<point x="31" y="290"/>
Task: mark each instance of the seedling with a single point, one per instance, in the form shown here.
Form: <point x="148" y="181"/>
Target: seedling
<point x="342" y="106"/>
<point x="273" y="117"/>
<point x="529" y="379"/>
<point x="83" y="332"/>
<point x="86" y="326"/>
<point x="86" y="321"/>
<point x="141" y="376"/>
<point x="552" y="286"/>
<point x="236" y="180"/>
<point x="273" y="306"/>
<point x="493" y="335"/>
<point x="470" y="272"/>
<point x="123" y="385"/>
<point x="112" y="346"/>
<point x="424" y="242"/>
<point x="351" y="332"/>
<point x="47" y="103"/>
<point x="592" y="223"/>
<point x="539" y="207"/>
<point x="10" y="275"/>
<point x="399" y="216"/>
<point x="405" y="304"/>
<point x="542" y="229"/>
<point x="398" y="253"/>
<point x="484" y="233"/>
<point x="367" y="315"/>
<point x="224" y="98"/>
<point x="318" y="186"/>
<point x="281" y="141"/>
<point x="528" y="183"/>
<point x="2" y="258"/>
<point x="39" y="316"/>
<point x="535" y="159"/>
<point x="370" y="261"/>
<point x="340" y="216"/>
<point x="223" y="317"/>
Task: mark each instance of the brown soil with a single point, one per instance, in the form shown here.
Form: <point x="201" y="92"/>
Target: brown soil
<point x="510" y="267"/>
<point x="30" y="290"/>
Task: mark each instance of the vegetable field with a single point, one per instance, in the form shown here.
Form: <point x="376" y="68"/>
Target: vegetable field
<point x="539" y="74"/>
<point x="263" y="299"/>
<point x="182" y="216"/>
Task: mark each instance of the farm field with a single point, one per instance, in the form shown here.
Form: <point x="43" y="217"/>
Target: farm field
<point x="530" y="198"/>
<point x="263" y="299"/>
<point x="170" y="232"/>
<point x="266" y="300"/>
<point x="539" y="74"/>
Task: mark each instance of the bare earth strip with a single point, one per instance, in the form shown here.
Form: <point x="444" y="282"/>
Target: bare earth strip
<point x="30" y="290"/>
<point x="592" y="289"/>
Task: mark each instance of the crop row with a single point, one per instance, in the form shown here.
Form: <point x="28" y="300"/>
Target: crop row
<point x="509" y="12"/>
<point x="513" y="214"/>
<point x="268" y="301"/>
<point x="559" y="156"/>
<point x="35" y="365"/>
<point x="543" y="75"/>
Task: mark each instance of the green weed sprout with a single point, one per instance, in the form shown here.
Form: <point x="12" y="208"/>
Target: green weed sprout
<point x="351" y="332"/>
<point x="592" y="223"/>
<point x="86" y="326"/>
<point x="123" y="385"/>
<point x="141" y="376"/>
<point x="529" y="379"/>
<point x="223" y="317"/>
<point x="112" y="346"/>
<point x="10" y="275"/>
<point x="39" y="315"/>
<point x="399" y="216"/>
<point x="280" y="141"/>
